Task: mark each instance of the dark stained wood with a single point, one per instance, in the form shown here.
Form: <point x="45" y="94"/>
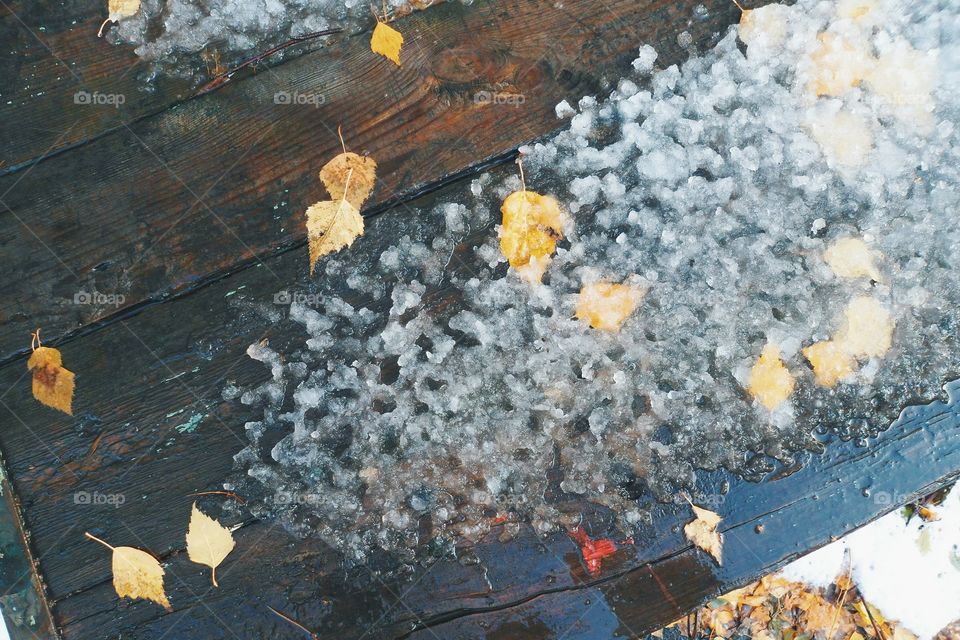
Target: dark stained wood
<point x="194" y="216"/>
<point x="140" y="378"/>
<point x="215" y="184"/>
<point x="50" y="52"/>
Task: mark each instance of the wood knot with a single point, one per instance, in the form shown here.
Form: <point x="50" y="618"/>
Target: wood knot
<point x="470" y="64"/>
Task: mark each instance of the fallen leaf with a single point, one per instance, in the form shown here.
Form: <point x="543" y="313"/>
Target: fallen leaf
<point x="531" y="225"/>
<point x="117" y="10"/>
<point x="839" y="64"/>
<point x="869" y="328"/>
<point x="870" y="616"/>
<point x="851" y="258"/>
<point x="593" y="551"/>
<point x="208" y="542"/>
<point x="335" y="175"/>
<point x="136" y="574"/>
<point x="770" y="381"/>
<point x="122" y="8"/>
<point x="52" y="384"/>
<point x="831" y="362"/>
<point x="766" y="25"/>
<point x="386" y="41"/>
<point x="332" y="226"/>
<point x="846" y="139"/>
<point x="857" y="10"/>
<point x="703" y="533"/>
<point x="902" y="633"/>
<point x="605" y="305"/>
<point x="904" y="79"/>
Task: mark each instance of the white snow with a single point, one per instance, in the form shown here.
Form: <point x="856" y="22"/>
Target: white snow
<point x="909" y="571"/>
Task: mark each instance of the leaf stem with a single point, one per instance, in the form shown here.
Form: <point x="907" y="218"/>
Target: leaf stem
<point x="340" y="135"/>
<point x="293" y="622"/>
<point x="96" y="539"/>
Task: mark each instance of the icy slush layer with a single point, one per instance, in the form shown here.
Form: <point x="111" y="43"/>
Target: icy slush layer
<point x="710" y="186"/>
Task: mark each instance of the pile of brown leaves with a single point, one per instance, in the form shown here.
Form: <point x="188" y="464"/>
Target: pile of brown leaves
<point x="776" y="609"/>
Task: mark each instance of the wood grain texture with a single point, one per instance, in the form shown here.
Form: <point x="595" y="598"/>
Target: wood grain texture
<point x="51" y="57"/>
<point x="140" y="379"/>
<point x="161" y="205"/>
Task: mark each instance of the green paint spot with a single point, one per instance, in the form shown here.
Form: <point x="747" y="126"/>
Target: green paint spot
<point x="191" y="425"/>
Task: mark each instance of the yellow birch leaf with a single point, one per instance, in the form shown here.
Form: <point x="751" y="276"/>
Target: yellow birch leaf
<point x="831" y="362"/>
<point x="604" y="305"/>
<point x="851" y="258"/>
<point x="902" y="633"/>
<point x="136" y="574"/>
<point x="839" y="64"/>
<point x="869" y="328"/>
<point x="767" y="24"/>
<point x="387" y="42"/>
<point x="361" y="172"/>
<point x="770" y="381"/>
<point x="857" y="10"/>
<point x="208" y="542"/>
<point x="531" y="225"/>
<point x="846" y="139"/>
<point x="52" y="384"/>
<point x="703" y="533"/>
<point x="122" y="8"/>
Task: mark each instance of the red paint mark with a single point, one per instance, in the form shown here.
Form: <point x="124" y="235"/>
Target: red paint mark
<point x="593" y="550"/>
<point x="499" y="520"/>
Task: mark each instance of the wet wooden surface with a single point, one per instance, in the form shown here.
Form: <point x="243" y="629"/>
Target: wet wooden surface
<point x="230" y="174"/>
<point x="193" y="214"/>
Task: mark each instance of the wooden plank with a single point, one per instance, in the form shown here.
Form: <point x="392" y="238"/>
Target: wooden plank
<point x="23" y="603"/>
<point x="213" y="185"/>
<point x="142" y="378"/>
<point x="55" y="57"/>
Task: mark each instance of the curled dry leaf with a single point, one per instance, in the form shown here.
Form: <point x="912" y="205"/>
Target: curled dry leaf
<point x="387" y="42"/>
<point x="703" y="533"/>
<point x="208" y="542"/>
<point x="136" y="574"/>
<point x="531" y="225"/>
<point x="361" y="172"/>
<point x="604" y="305"/>
<point x="52" y="384"/>
<point x="770" y="381"/>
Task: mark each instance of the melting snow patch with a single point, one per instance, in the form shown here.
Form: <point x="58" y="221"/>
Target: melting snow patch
<point x="720" y="184"/>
